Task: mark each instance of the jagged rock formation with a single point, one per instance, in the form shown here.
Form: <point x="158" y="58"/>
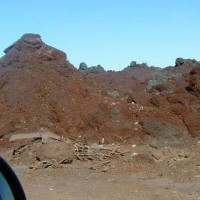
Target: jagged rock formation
<point x="182" y="61"/>
<point x="83" y="68"/>
<point x="30" y="48"/>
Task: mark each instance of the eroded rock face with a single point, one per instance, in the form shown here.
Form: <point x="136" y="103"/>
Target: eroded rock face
<point x="30" y="48"/>
<point x="30" y="42"/>
<point x="182" y="61"/>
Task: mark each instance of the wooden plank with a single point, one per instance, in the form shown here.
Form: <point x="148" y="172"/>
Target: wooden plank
<point x="42" y="135"/>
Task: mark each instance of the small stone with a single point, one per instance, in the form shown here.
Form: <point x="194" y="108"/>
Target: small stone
<point x="135" y="154"/>
<point x="157" y="154"/>
<point x="127" y="158"/>
<point x="92" y="168"/>
<point x="114" y="94"/>
<point x="105" y="169"/>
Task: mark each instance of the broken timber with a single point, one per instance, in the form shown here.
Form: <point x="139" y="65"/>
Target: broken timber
<point x="42" y="135"/>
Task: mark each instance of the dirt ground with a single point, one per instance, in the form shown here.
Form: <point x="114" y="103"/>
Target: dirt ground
<point x="108" y="189"/>
<point x="78" y="183"/>
<point x="168" y="173"/>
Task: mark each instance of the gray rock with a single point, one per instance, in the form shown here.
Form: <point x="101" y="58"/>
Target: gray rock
<point x="127" y="158"/>
<point x="83" y="66"/>
<point x="144" y="65"/>
<point x="161" y="134"/>
<point x="179" y="61"/>
<point x="114" y="94"/>
<point x="96" y="69"/>
<point x="152" y="83"/>
<point x="91" y="70"/>
<point x="182" y="61"/>
<point x="115" y="113"/>
<point x="133" y="64"/>
<point x="155" y="128"/>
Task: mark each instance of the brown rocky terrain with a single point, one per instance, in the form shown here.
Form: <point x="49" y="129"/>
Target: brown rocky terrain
<point x="155" y="110"/>
<point x="41" y="89"/>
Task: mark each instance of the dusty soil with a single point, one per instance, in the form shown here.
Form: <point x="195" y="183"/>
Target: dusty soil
<point x="136" y="172"/>
<point x="81" y="183"/>
<point x="135" y="179"/>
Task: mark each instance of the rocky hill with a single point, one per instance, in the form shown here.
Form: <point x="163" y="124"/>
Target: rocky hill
<point x="40" y="89"/>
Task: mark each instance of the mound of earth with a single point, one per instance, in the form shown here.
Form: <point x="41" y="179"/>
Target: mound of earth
<point x="40" y="89"/>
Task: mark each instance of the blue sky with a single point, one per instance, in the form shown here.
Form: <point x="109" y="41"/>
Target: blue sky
<point x="108" y="32"/>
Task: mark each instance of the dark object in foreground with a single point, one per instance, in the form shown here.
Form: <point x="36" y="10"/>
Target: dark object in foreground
<point x="10" y="187"/>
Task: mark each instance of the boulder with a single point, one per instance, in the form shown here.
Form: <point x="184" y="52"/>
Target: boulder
<point x="133" y="64"/>
<point x="92" y="70"/>
<point x="182" y="61"/>
<point x="55" y="150"/>
<point x="30" y="48"/>
<point x="156" y="128"/>
<point x="161" y="134"/>
<point x="96" y="69"/>
<point x="83" y="66"/>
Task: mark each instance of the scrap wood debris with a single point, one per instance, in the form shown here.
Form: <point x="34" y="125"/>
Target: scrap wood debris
<point x="42" y="135"/>
<point x="49" y="163"/>
<point x="57" y="151"/>
<point x="94" y="151"/>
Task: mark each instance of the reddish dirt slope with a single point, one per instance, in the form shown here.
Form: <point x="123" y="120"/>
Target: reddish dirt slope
<point x="39" y="88"/>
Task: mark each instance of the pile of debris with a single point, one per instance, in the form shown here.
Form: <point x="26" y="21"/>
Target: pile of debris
<point x="45" y="149"/>
<point x="39" y="150"/>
